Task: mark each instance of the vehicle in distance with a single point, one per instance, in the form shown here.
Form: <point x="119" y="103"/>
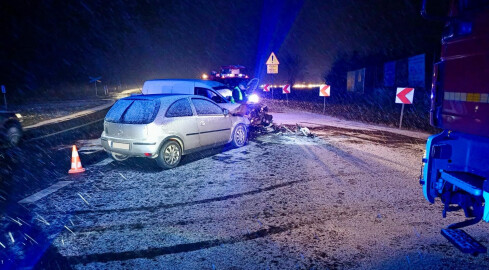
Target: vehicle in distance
<point x="216" y="91"/>
<point x="166" y="127"/>
<point x="231" y="75"/>
<point x="10" y="128"/>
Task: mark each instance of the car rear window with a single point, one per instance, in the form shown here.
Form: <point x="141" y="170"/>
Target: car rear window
<point x="129" y="111"/>
<point x="117" y="110"/>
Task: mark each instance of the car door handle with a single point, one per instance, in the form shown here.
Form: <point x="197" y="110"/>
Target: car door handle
<point x="202" y="123"/>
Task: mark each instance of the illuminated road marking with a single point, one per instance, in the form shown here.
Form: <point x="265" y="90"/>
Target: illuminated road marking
<point x="62" y="131"/>
<point x="45" y="192"/>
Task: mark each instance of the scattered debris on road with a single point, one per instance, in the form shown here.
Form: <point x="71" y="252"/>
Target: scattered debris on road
<point x="296" y="130"/>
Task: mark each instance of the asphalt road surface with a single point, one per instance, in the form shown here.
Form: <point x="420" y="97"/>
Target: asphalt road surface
<point x="343" y="200"/>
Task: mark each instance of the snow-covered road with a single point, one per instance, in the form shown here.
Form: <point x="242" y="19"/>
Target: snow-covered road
<point x="344" y="200"/>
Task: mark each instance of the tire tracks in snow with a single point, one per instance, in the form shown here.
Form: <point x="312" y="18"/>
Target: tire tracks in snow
<point x="180" y="248"/>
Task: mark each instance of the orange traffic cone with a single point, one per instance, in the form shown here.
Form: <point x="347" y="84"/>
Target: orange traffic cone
<point x="76" y="166"/>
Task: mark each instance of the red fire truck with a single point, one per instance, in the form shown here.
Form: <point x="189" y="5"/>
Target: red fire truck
<point x="231" y="75"/>
<point x="456" y="163"/>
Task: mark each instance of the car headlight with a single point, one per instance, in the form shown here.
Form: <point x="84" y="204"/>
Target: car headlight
<point x="253" y="98"/>
<point x="18" y="115"/>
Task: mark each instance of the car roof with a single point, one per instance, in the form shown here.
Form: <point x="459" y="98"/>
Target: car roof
<point x="156" y="96"/>
<point x="196" y="81"/>
<point x="165" y="99"/>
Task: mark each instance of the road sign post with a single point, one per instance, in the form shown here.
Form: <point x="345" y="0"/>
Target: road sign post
<point x="273" y="81"/>
<point x="324" y="91"/>
<point x="95" y="80"/>
<point x="4" y="92"/>
<point x="272" y="67"/>
<point x="402" y="114"/>
<point x="324" y="104"/>
<point x="404" y="95"/>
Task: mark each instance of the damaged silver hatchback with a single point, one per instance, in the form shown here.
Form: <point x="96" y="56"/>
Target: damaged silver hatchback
<point x="166" y="127"/>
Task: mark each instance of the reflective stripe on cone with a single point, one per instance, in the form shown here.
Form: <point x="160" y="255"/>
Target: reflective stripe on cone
<point x="76" y="166"/>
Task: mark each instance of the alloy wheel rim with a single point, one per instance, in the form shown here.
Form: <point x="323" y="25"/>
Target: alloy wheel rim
<point x="240" y="136"/>
<point x="171" y="154"/>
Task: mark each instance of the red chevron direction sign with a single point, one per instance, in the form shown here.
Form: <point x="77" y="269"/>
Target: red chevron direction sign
<point x="266" y="88"/>
<point x="324" y="90"/>
<point x="286" y="89"/>
<point x="404" y="95"/>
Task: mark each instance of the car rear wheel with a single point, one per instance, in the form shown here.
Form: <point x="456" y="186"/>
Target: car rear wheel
<point x="170" y="155"/>
<point x="119" y="157"/>
<point x="240" y="136"/>
<point x="14" y="134"/>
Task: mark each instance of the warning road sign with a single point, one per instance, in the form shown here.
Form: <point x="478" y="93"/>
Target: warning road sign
<point x="272" y="64"/>
<point x="272" y="60"/>
<point x="404" y="95"/>
<point x="324" y="90"/>
<point x="266" y="88"/>
<point x="286" y="89"/>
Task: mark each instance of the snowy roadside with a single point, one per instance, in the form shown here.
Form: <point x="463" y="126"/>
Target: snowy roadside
<point x="35" y="114"/>
<point x="38" y="114"/>
<point x="284" y="115"/>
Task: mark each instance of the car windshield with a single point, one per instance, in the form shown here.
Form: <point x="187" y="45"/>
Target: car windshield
<point x="129" y="111"/>
<point x="225" y="92"/>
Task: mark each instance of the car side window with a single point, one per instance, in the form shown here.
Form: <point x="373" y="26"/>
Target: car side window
<point x="200" y="91"/>
<point x="204" y="107"/>
<point x="179" y="108"/>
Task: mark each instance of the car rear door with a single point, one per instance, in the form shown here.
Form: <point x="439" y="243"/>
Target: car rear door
<point x="180" y="119"/>
<point x="214" y="126"/>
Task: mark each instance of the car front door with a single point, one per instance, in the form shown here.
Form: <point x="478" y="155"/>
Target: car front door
<point x="214" y="126"/>
<point x="217" y="98"/>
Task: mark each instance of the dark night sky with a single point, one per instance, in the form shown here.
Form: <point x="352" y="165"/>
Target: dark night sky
<point x="50" y="43"/>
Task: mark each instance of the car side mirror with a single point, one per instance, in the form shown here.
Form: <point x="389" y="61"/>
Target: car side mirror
<point x="225" y="111"/>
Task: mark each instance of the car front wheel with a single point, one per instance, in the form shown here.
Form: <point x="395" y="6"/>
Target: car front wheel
<point x="240" y="136"/>
<point x="170" y="155"/>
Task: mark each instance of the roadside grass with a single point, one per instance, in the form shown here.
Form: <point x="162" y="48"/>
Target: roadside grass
<point x="35" y="113"/>
<point x="36" y="110"/>
<point x="415" y="120"/>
